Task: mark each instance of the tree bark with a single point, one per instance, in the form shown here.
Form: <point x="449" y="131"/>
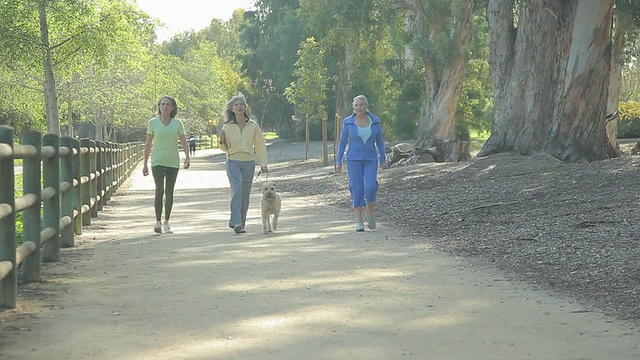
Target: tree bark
<point x="622" y="23"/>
<point x="444" y="86"/>
<point x="50" y="93"/>
<point x="550" y="78"/>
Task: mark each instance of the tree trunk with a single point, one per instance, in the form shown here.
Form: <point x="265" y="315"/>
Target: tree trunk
<point x="622" y="23"/>
<point x="325" y="145"/>
<point x="306" y="139"/>
<point x="99" y="122"/>
<point x="350" y="53"/>
<point x="444" y="86"/>
<point x="550" y="78"/>
<point x="50" y="94"/>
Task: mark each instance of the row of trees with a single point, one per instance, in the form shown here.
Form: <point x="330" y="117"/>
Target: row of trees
<point x="541" y="75"/>
<point x="68" y="63"/>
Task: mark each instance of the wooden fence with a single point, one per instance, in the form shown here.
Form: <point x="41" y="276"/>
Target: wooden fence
<point x="78" y="178"/>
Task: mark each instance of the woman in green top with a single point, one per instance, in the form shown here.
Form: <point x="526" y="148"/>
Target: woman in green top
<point x="162" y="133"/>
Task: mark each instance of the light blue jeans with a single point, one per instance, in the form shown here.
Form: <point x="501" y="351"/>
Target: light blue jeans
<point x="363" y="182"/>
<point x="240" y="174"/>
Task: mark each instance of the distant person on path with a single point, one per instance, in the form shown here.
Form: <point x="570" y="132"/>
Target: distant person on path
<point x="192" y="144"/>
<point x="362" y="130"/>
<point x="163" y="131"/>
<point x="241" y="138"/>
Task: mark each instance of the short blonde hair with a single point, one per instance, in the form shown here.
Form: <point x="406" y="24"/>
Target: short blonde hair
<point x="361" y="97"/>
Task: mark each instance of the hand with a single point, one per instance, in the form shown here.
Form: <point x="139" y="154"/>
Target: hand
<point x="385" y="166"/>
<point x="145" y="170"/>
<point x="339" y="168"/>
<point x="187" y="163"/>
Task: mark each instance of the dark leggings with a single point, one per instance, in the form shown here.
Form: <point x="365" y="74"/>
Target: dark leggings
<point x="159" y="174"/>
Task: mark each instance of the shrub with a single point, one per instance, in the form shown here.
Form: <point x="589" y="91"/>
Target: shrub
<point x="629" y="120"/>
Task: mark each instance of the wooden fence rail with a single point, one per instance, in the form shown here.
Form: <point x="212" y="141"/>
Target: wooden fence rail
<point x="78" y="178"/>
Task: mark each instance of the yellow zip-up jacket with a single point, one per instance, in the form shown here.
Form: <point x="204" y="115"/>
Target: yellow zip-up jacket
<point x="245" y="145"/>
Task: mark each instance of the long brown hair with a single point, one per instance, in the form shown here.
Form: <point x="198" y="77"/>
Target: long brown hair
<point x="174" y="112"/>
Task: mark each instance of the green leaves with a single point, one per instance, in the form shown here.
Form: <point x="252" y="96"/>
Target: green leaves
<point x="308" y="91"/>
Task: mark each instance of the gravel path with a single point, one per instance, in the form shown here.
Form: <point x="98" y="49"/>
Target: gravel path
<point x="314" y="290"/>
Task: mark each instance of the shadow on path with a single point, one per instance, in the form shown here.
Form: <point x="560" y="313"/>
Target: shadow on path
<point x="313" y="290"/>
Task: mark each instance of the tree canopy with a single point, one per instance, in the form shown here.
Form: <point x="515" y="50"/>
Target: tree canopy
<point x="94" y="68"/>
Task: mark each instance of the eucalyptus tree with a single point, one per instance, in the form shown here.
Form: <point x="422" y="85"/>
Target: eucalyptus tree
<point x="20" y="106"/>
<point x="308" y="91"/>
<point x="550" y="68"/>
<point x="208" y="81"/>
<point x="341" y="26"/>
<point x="50" y="33"/>
<point x="624" y="56"/>
<point x="269" y="41"/>
<point x="440" y="38"/>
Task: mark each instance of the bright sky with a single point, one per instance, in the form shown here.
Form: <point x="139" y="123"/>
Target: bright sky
<point x="183" y="15"/>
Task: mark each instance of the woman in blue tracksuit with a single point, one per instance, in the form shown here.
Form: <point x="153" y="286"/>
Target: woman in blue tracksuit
<point x="363" y="131"/>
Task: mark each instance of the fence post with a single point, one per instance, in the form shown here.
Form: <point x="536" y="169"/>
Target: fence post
<point x="119" y="158"/>
<point x="31" y="175"/>
<point x="51" y="177"/>
<point x="9" y="284"/>
<point x="111" y="170"/>
<point x="85" y="172"/>
<point x="77" y="187"/>
<point x="101" y="174"/>
<point x="66" y="199"/>
<point x="93" y="176"/>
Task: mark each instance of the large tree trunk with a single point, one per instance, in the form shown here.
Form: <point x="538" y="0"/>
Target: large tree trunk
<point x="550" y="78"/>
<point x="50" y="94"/>
<point x="444" y="85"/>
<point x="622" y="22"/>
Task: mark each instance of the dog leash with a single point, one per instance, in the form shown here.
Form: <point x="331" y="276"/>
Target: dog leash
<point x="259" y="173"/>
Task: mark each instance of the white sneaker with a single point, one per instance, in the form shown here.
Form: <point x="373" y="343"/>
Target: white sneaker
<point x="167" y="228"/>
<point x="359" y="226"/>
<point x="371" y="222"/>
<point x="158" y="227"/>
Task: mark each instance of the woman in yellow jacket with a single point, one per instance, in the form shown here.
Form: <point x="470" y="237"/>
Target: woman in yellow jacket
<point x="241" y="138"/>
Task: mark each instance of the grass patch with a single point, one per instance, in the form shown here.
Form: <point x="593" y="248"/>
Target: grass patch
<point x="477" y="140"/>
<point x="271" y="135"/>
<point x="17" y="192"/>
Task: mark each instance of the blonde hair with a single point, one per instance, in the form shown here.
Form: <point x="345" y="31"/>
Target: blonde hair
<point x="361" y="97"/>
<point x="229" y="114"/>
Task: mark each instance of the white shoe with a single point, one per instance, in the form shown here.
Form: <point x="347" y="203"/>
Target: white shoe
<point x="371" y="222"/>
<point x="158" y="227"/>
<point x="167" y="228"/>
<point x="359" y="226"/>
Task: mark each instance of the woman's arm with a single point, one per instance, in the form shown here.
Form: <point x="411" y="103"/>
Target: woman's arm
<point x="223" y="144"/>
<point x="147" y="152"/>
<point x="260" y="147"/>
<point x="185" y="149"/>
<point x="381" y="149"/>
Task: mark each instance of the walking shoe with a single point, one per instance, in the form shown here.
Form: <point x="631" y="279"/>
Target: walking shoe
<point x="359" y="226"/>
<point x="167" y="228"/>
<point x="238" y="229"/>
<point x="158" y="227"/>
<point x="371" y="222"/>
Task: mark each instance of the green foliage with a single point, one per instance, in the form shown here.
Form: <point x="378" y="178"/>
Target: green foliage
<point x="475" y="108"/>
<point x="308" y="92"/>
<point x="629" y="120"/>
<point x="16" y="194"/>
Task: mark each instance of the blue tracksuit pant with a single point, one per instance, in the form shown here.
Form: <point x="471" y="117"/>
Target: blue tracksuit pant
<point x="363" y="182"/>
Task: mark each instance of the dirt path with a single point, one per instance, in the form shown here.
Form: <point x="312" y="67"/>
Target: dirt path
<point x="314" y="290"/>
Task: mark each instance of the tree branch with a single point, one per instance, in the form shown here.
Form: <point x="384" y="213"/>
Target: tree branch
<point x="402" y="5"/>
